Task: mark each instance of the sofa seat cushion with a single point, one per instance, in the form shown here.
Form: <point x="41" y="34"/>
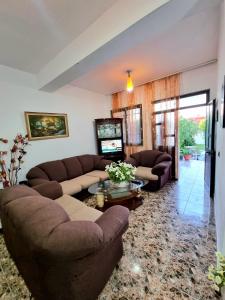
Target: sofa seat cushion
<point x="145" y="173"/>
<point x="101" y="175"/>
<point x="70" y="187"/>
<point x="85" y="181"/>
<point x="86" y="214"/>
<point x="78" y="211"/>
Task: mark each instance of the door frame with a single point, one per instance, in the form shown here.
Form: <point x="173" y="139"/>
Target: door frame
<point x="213" y="149"/>
<point x="177" y="109"/>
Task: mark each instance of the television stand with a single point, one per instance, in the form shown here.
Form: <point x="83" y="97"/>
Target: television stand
<point x="109" y="138"/>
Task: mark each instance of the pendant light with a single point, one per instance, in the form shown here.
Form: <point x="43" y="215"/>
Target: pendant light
<point x="130" y="86"/>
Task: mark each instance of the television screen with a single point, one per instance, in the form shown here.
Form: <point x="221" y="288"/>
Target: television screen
<point x="110" y="130"/>
<point x="111" y="146"/>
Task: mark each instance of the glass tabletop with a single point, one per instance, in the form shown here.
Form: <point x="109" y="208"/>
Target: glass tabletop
<point x="107" y="187"/>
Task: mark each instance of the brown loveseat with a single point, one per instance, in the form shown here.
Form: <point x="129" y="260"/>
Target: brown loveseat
<point x="61" y="258"/>
<point x="152" y="165"/>
<point x="74" y="173"/>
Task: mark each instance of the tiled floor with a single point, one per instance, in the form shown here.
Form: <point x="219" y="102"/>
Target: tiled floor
<point x="167" y="248"/>
<point x="192" y="197"/>
<point x="169" y="244"/>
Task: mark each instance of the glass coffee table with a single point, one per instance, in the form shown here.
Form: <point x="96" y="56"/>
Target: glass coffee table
<point x="128" y="196"/>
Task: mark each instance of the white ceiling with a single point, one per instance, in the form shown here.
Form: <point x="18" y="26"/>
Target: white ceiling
<point x="32" y="32"/>
<point x="193" y="40"/>
<point x="37" y="37"/>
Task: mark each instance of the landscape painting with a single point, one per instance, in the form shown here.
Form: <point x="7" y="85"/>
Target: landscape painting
<point x="46" y="125"/>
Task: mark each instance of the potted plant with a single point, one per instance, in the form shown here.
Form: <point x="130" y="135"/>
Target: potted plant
<point x="217" y="275"/>
<point x="120" y="173"/>
<point x="186" y="154"/>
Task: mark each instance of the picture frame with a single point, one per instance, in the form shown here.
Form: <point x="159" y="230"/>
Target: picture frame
<point x="42" y="126"/>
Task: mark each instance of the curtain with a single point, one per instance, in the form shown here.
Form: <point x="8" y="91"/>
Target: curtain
<point x="165" y="118"/>
<point x="160" y="130"/>
<point x="141" y="95"/>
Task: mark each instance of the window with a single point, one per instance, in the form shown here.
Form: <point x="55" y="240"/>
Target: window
<point x="132" y="124"/>
<point x="185" y="101"/>
<point x="165" y="105"/>
<point x="194" y="99"/>
<point x="165" y="115"/>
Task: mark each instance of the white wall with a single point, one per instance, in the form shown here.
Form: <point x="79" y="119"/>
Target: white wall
<point x="81" y="106"/>
<point x="220" y="161"/>
<point x="17" y="77"/>
<point x="200" y="79"/>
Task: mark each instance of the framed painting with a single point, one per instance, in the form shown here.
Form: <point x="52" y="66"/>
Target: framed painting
<point x="46" y="125"/>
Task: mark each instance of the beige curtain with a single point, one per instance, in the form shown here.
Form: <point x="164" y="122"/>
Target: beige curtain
<point x="141" y="95"/>
<point x="165" y="118"/>
<point x="149" y="95"/>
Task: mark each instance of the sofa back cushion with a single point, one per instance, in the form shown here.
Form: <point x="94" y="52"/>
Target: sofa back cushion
<point x="55" y="170"/>
<point x="73" y="167"/>
<point x="87" y="162"/>
<point x="36" y="172"/>
<point x="28" y="222"/>
<point x="34" y="215"/>
<point x="163" y="157"/>
<point x="146" y="158"/>
<point x="19" y="191"/>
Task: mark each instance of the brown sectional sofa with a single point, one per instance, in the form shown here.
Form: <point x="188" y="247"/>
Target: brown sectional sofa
<point x="74" y="174"/>
<point x="152" y="165"/>
<point x="62" y="248"/>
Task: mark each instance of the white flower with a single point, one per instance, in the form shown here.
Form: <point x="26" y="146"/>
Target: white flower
<point x="121" y="170"/>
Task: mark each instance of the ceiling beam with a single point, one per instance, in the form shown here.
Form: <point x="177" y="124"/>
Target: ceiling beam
<point x="117" y="19"/>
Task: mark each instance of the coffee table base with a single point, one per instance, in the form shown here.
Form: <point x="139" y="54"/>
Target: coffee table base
<point x="131" y="203"/>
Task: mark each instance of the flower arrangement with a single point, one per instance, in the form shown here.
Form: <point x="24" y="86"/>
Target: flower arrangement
<point x="120" y="172"/>
<point x="217" y="274"/>
<point x="9" y="171"/>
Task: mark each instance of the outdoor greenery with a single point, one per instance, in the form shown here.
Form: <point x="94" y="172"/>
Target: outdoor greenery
<point x="202" y="125"/>
<point x="188" y="129"/>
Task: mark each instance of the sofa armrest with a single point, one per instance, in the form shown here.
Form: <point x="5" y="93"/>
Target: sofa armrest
<point x="49" y="189"/>
<point x="73" y="240"/>
<point x="160" y="168"/>
<point x="113" y="222"/>
<point x="102" y="164"/>
<point x="37" y="181"/>
<point x="132" y="161"/>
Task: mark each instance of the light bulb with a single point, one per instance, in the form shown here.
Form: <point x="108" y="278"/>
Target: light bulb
<point x="130" y="86"/>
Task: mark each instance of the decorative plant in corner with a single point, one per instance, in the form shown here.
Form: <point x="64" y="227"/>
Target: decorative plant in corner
<point x="217" y="275"/>
<point x="10" y="167"/>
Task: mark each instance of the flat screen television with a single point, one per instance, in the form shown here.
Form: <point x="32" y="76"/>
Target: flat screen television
<point x="111" y="146"/>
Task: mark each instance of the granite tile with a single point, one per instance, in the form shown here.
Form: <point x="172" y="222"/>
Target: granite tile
<point x="168" y="246"/>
